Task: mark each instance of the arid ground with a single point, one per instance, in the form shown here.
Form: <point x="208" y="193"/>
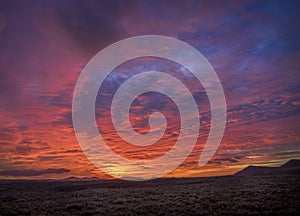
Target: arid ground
<point x="232" y="195"/>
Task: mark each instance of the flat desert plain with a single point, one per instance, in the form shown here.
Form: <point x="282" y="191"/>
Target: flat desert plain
<point x="232" y="195"/>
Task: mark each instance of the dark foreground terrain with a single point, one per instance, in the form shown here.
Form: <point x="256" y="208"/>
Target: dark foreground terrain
<point x="234" y="195"/>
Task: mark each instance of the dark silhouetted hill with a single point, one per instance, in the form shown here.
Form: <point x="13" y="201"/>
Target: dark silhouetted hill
<point x="291" y="167"/>
<point x="291" y="164"/>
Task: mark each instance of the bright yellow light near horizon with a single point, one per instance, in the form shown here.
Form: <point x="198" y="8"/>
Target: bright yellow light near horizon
<point x="117" y="170"/>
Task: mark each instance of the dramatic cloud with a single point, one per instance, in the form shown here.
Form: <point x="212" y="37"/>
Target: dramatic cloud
<point x="253" y="46"/>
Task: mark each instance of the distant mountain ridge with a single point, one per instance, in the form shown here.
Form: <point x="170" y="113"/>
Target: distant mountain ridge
<point x="72" y="178"/>
<point x="292" y="167"/>
<point x="291" y="164"/>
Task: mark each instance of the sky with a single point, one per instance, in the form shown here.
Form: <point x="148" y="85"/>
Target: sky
<point x="253" y="46"/>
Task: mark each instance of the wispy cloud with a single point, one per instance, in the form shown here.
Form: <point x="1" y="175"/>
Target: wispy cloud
<point x="32" y="172"/>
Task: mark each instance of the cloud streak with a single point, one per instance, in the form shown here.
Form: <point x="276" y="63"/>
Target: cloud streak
<point x="32" y="172"/>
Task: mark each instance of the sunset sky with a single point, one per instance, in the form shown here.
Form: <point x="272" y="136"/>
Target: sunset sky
<point x="254" y="47"/>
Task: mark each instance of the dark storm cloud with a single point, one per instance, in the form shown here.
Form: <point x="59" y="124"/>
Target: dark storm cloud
<point x="26" y="147"/>
<point x="48" y="158"/>
<point x="295" y="153"/>
<point x="92" y="25"/>
<point x="29" y="54"/>
<point x="32" y="172"/>
<point x="69" y="151"/>
<point x="219" y="161"/>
